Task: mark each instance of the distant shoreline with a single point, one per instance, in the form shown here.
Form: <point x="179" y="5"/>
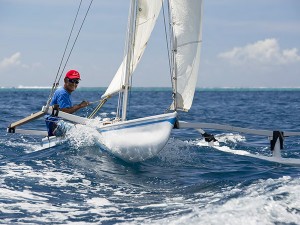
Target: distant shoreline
<point x="36" y="88"/>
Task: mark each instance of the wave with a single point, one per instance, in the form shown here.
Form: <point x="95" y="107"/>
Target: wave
<point x="270" y="201"/>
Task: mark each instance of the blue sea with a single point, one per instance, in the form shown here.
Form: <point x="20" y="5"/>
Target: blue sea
<point x="189" y="182"/>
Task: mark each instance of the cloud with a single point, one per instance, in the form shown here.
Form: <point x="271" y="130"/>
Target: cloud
<point x="265" y="52"/>
<point x="12" y="61"/>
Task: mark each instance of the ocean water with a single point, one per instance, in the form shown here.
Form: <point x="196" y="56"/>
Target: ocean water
<point x="187" y="183"/>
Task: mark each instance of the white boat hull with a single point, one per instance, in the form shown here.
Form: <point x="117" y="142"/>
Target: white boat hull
<point x="133" y="140"/>
<point x="52" y="141"/>
<point x="139" y="139"/>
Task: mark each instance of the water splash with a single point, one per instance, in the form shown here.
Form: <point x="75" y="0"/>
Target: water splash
<point x="82" y="136"/>
<point x="28" y="145"/>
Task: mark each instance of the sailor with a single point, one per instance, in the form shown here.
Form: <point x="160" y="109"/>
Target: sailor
<point x="62" y="98"/>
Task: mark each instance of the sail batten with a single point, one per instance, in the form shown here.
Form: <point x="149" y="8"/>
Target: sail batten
<point x="188" y="43"/>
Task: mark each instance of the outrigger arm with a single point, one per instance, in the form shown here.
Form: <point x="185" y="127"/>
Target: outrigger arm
<point x="12" y="127"/>
<point x="276" y="137"/>
<point x="53" y="110"/>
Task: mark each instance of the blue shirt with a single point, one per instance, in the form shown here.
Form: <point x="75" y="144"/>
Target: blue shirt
<point x="62" y="98"/>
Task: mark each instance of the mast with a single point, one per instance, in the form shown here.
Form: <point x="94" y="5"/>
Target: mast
<point x="173" y="45"/>
<point x="130" y="45"/>
<point x="142" y="18"/>
<point x="174" y="68"/>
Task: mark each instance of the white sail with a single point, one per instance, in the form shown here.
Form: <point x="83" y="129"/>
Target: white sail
<point x="186" y="16"/>
<point x="147" y="13"/>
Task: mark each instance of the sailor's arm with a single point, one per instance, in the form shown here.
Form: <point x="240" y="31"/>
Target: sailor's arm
<point x="74" y="108"/>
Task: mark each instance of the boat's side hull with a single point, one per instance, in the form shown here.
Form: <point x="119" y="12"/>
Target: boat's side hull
<point x="133" y="140"/>
<point x="140" y="139"/>
<point x="52" y="141"/>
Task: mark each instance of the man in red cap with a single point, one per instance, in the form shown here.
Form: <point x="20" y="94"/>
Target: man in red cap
<point x="62" y="98"/>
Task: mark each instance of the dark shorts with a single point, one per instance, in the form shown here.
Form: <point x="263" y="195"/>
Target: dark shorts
<point x="51" y="122"/>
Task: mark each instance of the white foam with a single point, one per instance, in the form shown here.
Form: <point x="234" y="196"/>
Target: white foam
<point x="82" y="136"/>
<point x="230" y="137"/>
<point x="101" y="206"/>
<point x="268" y="201"/>
<point x="27" y="146"/>
<point x="32" y="203"/>
<point x="175" y="152"/>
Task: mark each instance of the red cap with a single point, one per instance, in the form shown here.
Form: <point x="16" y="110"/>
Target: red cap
<point x="73" y="74"/>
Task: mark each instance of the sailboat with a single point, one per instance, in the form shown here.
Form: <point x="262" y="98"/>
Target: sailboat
<point x="142" y="138"/>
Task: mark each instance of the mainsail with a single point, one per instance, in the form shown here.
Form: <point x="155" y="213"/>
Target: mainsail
<point x="187" y="31"/>
<point x="147" y="13"/>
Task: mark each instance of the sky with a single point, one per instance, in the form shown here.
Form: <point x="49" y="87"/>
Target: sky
<point x="245" y="44"/>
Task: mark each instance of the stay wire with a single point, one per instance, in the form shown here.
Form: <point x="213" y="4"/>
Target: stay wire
<point x="166" y="36"/>
<point x="98" y="107"/>
<point x="131" y="65"/>
<point x="126" y="52"/>
<point x="55" y="83"/>
<point x="67" y="60"/>
<point x="68" y="40"/>
<point x="76" y="38"/>
<point x="169" y="42"/>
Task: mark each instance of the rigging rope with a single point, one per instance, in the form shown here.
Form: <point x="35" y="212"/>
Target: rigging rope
<point x="166" y="35"/>
<point x="63" y="56"/>
<point x="76" y="38"/>
<point x="132" y="62"/>
<point x="56" y="81"/>
<point x="170" y="60"/>
<point x="120" y="107"/>
<point x="102" y="102"/>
